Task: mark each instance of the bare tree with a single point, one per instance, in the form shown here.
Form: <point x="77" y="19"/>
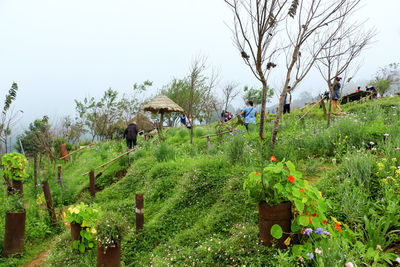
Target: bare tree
<point x="341" y="53"/>
<point x="195" y="79"/>
<point x="230" y="92"/>
<point x="313" y="26"/>
<point x="255" y="25"/>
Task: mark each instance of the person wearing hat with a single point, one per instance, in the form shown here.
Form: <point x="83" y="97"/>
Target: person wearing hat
<point x="130" y="135"/>
<point x="336" y="94"/>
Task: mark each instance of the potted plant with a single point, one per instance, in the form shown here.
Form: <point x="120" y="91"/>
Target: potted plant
<point x="83" y="219"/>
<point x="14" y="169"/>
<point x="286" y="202"/>
<point x="110" y="230"/>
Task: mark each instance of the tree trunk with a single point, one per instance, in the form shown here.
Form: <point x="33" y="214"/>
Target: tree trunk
<point x="275" y="129"/>
<point x="263" y="104"/>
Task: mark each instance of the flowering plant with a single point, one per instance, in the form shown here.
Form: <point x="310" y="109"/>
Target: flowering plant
<point x="15" y="165"/>
<point x="87" y="216"/>
<point x="110" y="230"/>
<point x="280" y="182"/>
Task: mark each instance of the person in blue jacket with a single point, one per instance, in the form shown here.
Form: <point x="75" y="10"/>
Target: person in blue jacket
<point x="249" y="113"/>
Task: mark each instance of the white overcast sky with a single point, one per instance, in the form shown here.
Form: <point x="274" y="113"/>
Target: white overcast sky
<point x="61" y="50"/>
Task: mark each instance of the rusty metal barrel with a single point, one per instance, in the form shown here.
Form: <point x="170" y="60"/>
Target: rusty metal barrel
<point x="14" y="235"/>
<point x="270" y="215"/>
<point x="110" y="257"/>
<point x="76" y="231"/>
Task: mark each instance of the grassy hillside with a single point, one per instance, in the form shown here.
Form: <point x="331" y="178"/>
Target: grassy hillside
<point x="196" y="212"/>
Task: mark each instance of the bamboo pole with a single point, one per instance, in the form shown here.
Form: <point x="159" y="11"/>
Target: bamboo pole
<point x="108" y="162"/>
<point x="73" y="152"/>
<point x="211" y="135"/>
<point x="302" y="117"/>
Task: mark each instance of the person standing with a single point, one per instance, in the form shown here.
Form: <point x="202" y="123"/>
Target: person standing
<point x="336" y="95"/>
<point x="287" y="101"/>
<point x="249" y="113"/>
<point x="130" y="135"/>
<point x="182" y="117"/>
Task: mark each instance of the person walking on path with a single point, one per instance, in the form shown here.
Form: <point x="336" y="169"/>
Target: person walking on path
<point x="249" y="113"/>
<point x="287" y="101"/>
<point x="336" y="95"/>
<point x="130" y="135"/>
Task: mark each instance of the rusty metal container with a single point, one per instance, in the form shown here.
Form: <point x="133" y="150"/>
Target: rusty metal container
<point x="76" y="231"/>
<point x="270" y="215"/>
<point x="108" y="258"/>
<point x="14" y="235"/>
<point x="64" y="152"/>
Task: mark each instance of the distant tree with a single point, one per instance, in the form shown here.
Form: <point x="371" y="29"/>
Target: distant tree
<point x="8" y="116"/>
<point x="386" y="77"/>
<point x="256" y="95"/>
<point x="230" y="92"/>
<point x="341" y="54"/>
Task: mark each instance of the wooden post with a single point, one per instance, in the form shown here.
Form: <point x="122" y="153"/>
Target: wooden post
<point x="35" y="165"/>
<point x="139" y="212"/>
<point x="91" y="182"/>
<point x="59" y="175"/>
<point x="208" y="143"/>
<point x="49" y="202"/>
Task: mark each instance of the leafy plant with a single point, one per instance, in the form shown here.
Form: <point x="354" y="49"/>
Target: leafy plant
<point x="110" y="229"/>
<point x="87" y="216"/>
<point x="15" y="203"/>
<point x="15" y="165"/>
<point x="164" y="152"/>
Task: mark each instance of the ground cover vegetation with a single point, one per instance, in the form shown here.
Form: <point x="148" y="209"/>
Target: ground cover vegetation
<point x="197" y="208"/>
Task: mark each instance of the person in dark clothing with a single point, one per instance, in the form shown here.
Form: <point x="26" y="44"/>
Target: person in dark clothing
<point x="287" y="101"/>
<point x="130" y="135"/>
<point x="336" y="95"/>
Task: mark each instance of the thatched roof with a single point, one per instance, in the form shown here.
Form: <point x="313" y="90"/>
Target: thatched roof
<point x="162" y="104"/>
<point x="143" y="123"/>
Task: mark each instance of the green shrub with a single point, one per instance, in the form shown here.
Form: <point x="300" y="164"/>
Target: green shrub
<point x="235" y="150"/>
<point x="164" y="152"/>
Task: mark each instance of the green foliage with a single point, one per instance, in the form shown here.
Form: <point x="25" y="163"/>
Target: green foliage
<point x="87" y="216"/>
<point x="236" y="150"/>
<point x="255" y="95"/>
<point x="164" y="152"/>
<point x="15" y="165"/>
<point x="110" y="230"/>
<point x="14" y="203"/>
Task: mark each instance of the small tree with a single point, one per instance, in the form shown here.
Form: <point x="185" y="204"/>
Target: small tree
<point x="386" y="77"/>
<point x="256" y="95"/>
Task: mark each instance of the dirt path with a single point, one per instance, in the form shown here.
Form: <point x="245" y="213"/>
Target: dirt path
<point x="39" y="260"/>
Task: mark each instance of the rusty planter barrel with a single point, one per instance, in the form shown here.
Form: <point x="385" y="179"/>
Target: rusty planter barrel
<point x="14" y="235"/>
<point x="270" y="215"/>
<point x="76" y="231"/>
<point x="108" y="258"/>
<point x="139" y="212"/>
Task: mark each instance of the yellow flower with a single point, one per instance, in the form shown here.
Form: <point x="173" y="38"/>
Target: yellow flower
<point x="320" y="193"/>
<point x="70" y="210"/>
<point x="287" y="241"/>
<point x="394" y="159"/>
<point x="75" y="210"/>
<point x="64" y="214"/>
<point x="384" y="159"/>
<point x="335" y="220"/>
<point x="93" y="231"/>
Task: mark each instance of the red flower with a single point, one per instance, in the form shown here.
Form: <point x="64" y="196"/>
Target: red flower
<point x="301" y="190"/>
<point x="337" y="226"/>
<point x="309" y="219"/>
<point x="257" y="173"/>
<point x="302" y="231"/>
<point x="291" y="179"/>
<point x="324" y="222"/>
<point x="272" y="158"/>
<point x="314" y="215"/>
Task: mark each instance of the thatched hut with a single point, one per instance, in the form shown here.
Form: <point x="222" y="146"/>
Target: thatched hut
<point x="143" y="123"/>
<point x="161" y="104"/>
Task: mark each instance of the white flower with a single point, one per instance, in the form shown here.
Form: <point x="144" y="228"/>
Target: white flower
<point x="371" y="143"/>
<point x="317" y="251"/>
<point x="349" y="264"/>
<point x="386" y="134"/>
<point x="378" y="247"/>
<point x="398" y="259"/>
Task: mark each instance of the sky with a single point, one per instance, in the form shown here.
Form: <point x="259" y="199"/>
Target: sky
<point x="61" y="50"/>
